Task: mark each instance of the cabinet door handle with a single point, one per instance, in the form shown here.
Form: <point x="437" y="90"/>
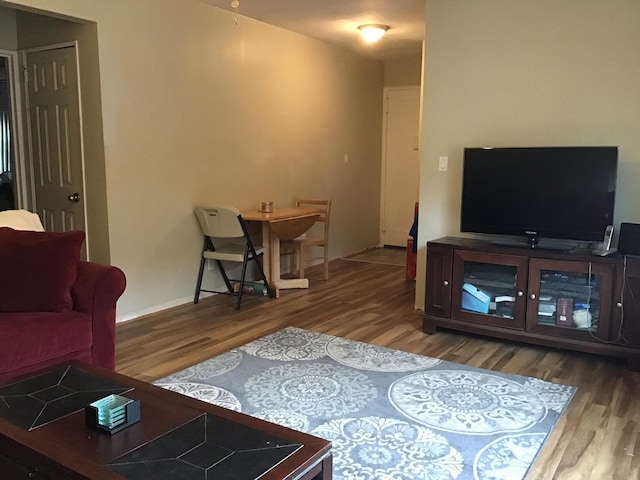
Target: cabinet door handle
<point x="532" y="296"/>
<point x="445" y="283"/>
<point x="619" y="304"/>
<point x="520" y="293"/>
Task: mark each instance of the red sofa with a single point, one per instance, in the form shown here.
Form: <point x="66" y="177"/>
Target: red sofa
<point x="77" y="321"/>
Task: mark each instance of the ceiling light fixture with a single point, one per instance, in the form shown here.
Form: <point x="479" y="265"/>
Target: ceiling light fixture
<point x="235" y="4"/>
<point x="373" y="32"/>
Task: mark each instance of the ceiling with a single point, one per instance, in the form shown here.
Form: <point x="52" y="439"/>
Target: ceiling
<point x="336" y="21"/>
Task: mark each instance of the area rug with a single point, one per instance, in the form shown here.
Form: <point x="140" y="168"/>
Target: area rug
<point x="390" y="415"/>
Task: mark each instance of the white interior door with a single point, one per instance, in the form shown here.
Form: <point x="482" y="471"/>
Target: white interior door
<point x="401" y="163"/>
<point x="55" y="141"/>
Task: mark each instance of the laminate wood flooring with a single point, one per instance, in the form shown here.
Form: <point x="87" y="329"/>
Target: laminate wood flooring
<point x="387" y="255"/>
<point x="597" y="438"/>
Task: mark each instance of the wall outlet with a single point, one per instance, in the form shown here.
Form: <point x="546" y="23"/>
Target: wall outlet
<point x="443" y="164"/>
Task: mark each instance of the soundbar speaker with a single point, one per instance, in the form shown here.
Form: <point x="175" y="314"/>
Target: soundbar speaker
<point x="629" y="240"/>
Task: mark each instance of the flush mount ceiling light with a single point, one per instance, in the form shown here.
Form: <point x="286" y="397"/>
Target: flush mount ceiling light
<point x="373" y="32"/>
<point x="235" y="4"/>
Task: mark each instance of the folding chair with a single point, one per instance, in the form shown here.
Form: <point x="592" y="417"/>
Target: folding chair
<point x="233" y="244"/>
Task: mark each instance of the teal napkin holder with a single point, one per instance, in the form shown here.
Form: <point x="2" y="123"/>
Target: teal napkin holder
<point x="112" y="413"/>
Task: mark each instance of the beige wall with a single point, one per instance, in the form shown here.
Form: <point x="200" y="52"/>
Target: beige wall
<point x="506" y="73"/>
<point x="8" y="35"/>
<point x="403" y="71"/>
<point x="198" y="110"/>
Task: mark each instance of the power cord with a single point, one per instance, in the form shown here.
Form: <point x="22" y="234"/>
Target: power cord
<point x="620" y="339"/>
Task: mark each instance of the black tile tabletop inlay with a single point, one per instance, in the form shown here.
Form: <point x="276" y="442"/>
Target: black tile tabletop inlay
<point x="39" y="400"/>
<point x="206" y="448"/>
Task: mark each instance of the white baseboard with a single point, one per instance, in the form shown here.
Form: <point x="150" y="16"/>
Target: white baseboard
<point x="158" y="308"/>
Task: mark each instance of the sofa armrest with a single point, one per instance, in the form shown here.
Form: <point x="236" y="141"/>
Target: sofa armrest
<point x="95" y="293"/>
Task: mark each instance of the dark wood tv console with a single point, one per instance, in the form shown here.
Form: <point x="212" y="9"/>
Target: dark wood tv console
<point x="573" y="300"/>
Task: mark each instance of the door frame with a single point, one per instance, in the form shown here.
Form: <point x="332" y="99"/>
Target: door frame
<point x="16" y="102"/>
<point x="383" y="169"/>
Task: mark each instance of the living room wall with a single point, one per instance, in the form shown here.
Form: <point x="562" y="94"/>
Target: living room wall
<point x="505" y="73"/>
<point x="8" y="35"/>
<point x="403" y="71"/>
<point x="199" y="110"/>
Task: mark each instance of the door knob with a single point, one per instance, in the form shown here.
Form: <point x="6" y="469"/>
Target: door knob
<point x="74" y="197"/>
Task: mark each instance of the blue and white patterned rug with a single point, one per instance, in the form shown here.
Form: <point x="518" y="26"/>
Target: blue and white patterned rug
<point x="390" y="415"/>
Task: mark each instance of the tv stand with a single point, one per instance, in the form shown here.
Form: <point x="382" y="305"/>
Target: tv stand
<point x="573" y="300"/>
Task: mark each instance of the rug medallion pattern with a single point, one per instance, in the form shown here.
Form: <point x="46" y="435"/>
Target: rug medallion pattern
<point x="390" y="415"/>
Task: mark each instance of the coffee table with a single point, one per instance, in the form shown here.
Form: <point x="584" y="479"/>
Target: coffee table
<point x="43" y="435"/>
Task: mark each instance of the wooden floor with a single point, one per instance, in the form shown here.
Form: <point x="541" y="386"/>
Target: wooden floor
<point x="597" y="438"/>
<point x="387" y="255"/>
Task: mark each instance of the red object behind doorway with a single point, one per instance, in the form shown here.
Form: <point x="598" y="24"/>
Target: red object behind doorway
<point x="411" y="251"/>
<point x="411" y="261"/>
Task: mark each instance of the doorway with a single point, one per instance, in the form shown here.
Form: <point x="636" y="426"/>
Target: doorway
<point x="32" y="33"/>
<point x="400" y="163"/>
<point x="55" y="137"/>
<point x="8" y="197"/>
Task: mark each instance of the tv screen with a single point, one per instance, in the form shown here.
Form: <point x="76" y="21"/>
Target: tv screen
<point x="551" y="192"/>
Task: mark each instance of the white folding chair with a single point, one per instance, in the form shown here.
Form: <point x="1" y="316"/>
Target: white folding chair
<point x="233" y="244"/>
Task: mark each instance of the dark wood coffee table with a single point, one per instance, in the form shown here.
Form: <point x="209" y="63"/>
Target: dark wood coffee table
<point x="43" y="435"/>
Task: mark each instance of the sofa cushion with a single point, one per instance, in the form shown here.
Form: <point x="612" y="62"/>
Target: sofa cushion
<point x="32" y="338"/>
<point x="38" y="269"/>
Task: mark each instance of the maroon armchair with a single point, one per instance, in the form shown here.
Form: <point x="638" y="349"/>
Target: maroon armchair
<point x="30" y="341"/>
<point x="95" y="295"/>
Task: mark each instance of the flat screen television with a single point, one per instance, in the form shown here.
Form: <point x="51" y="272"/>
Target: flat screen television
<point x="563" y="193"/>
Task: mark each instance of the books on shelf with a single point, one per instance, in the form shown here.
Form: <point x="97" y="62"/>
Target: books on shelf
<point x="505" y="298"/>
<point x="564" y="312"/>
<point x="474" y="299"/>
<point x="546" y="309"/>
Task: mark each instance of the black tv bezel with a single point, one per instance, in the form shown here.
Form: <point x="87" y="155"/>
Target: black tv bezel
<point x="533" y="235"/>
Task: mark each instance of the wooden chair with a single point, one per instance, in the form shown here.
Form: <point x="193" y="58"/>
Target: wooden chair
<point x="299" y="245"/>
<point x="234" y="244"/>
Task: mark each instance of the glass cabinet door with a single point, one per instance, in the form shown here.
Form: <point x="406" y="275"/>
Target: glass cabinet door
<point x="489" y="288"/>
<point x="565" y="298"/>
